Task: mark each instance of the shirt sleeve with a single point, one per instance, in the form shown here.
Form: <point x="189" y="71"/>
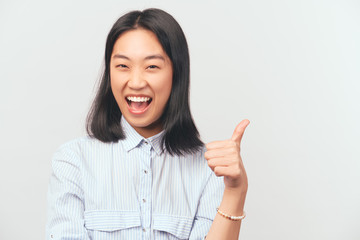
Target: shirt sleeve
<point x="209" y="201"/>
<point x="65" y="197"/>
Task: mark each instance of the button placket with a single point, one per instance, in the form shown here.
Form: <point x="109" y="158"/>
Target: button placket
<point x="145" y="192"/>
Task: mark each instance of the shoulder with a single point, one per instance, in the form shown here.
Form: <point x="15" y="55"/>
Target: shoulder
<point x="197" y="155"/>
<point x="195" y="163"/>
<point x="81" y="143"/>
<point x="76" y="148"/>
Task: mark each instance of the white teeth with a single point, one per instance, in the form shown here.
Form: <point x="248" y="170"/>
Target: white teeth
<point x="138" y="99"/>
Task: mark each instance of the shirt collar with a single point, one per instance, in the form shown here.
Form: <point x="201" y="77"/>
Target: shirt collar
<point x="134" y="139"/>
<point x="156" y="142"/>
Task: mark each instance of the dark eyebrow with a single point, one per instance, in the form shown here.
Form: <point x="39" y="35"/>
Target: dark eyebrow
<point x="121" y="56"/>
<point x="156" y="56"/>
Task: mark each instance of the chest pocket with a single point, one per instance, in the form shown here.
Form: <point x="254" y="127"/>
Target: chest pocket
<point x="178" y="226"/>
<point x="110" y="221"/>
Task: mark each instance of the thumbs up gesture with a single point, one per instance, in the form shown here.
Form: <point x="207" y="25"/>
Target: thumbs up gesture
<point x="224" y="159"/>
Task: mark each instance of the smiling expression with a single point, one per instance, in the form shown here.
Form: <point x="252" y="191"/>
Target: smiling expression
<point x="141" y="79"/>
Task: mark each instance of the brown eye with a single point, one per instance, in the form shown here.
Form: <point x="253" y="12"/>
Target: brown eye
<point x="121" y="66"/>
<point x="152" y="67"/>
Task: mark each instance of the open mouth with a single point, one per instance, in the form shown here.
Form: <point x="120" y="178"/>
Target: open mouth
<point x="138" y="104"/>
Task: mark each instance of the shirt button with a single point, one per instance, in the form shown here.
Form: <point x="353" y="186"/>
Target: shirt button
<point x="146" y="142"/>
<point x="144" y="230"/>
<point x="145" y="171"/>
<point x="144" y="200"/>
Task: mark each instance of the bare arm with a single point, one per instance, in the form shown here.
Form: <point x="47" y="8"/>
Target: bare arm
<point x="225" y="160"/>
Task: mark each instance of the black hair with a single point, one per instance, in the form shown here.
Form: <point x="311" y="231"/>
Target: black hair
<point x="180" y="133"/>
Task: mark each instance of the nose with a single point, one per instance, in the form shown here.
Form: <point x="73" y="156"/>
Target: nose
<point x="137" y="80"/>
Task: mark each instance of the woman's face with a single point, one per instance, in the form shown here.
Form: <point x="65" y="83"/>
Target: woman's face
<point x="141" y="79"/>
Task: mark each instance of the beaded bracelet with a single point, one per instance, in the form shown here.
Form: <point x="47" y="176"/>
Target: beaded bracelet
<point x="232" y="218"/>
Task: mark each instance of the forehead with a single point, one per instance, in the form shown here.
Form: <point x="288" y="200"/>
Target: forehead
<point x="138" y="42"/>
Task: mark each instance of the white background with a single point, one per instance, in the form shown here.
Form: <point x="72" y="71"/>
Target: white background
<point x="291" y="67"/>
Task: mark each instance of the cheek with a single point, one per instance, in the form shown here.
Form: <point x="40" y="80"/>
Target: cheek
<point x="167" y="82"/>
<point x="113" y="86"/>
<point x="116" y="82"/>
<point x="112" y="81"/>
<point x="116" y="87"/>
<point x="164" y="88"/>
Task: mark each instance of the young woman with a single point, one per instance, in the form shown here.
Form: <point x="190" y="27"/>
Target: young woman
<point x="143" y="172"/>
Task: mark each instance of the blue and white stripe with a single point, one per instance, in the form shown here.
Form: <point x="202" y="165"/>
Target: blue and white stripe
<point x="130" y="190"/>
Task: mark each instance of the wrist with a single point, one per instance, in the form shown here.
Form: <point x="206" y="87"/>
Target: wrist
<point x="233" y="201"/>
<point x="240" y="190"/>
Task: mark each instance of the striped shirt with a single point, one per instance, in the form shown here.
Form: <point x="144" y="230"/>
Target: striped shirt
<point x="130" y="190"/>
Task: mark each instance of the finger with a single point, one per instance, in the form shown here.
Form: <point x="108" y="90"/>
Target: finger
<point x="239" y="131"/>
<point x="219" y="144"/>
<point x="221" y="152"/>
<point x="227" y="171"/>
<point x="217" y="162"/>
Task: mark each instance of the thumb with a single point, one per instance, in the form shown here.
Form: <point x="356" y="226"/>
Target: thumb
<point x="239" y="131"/>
